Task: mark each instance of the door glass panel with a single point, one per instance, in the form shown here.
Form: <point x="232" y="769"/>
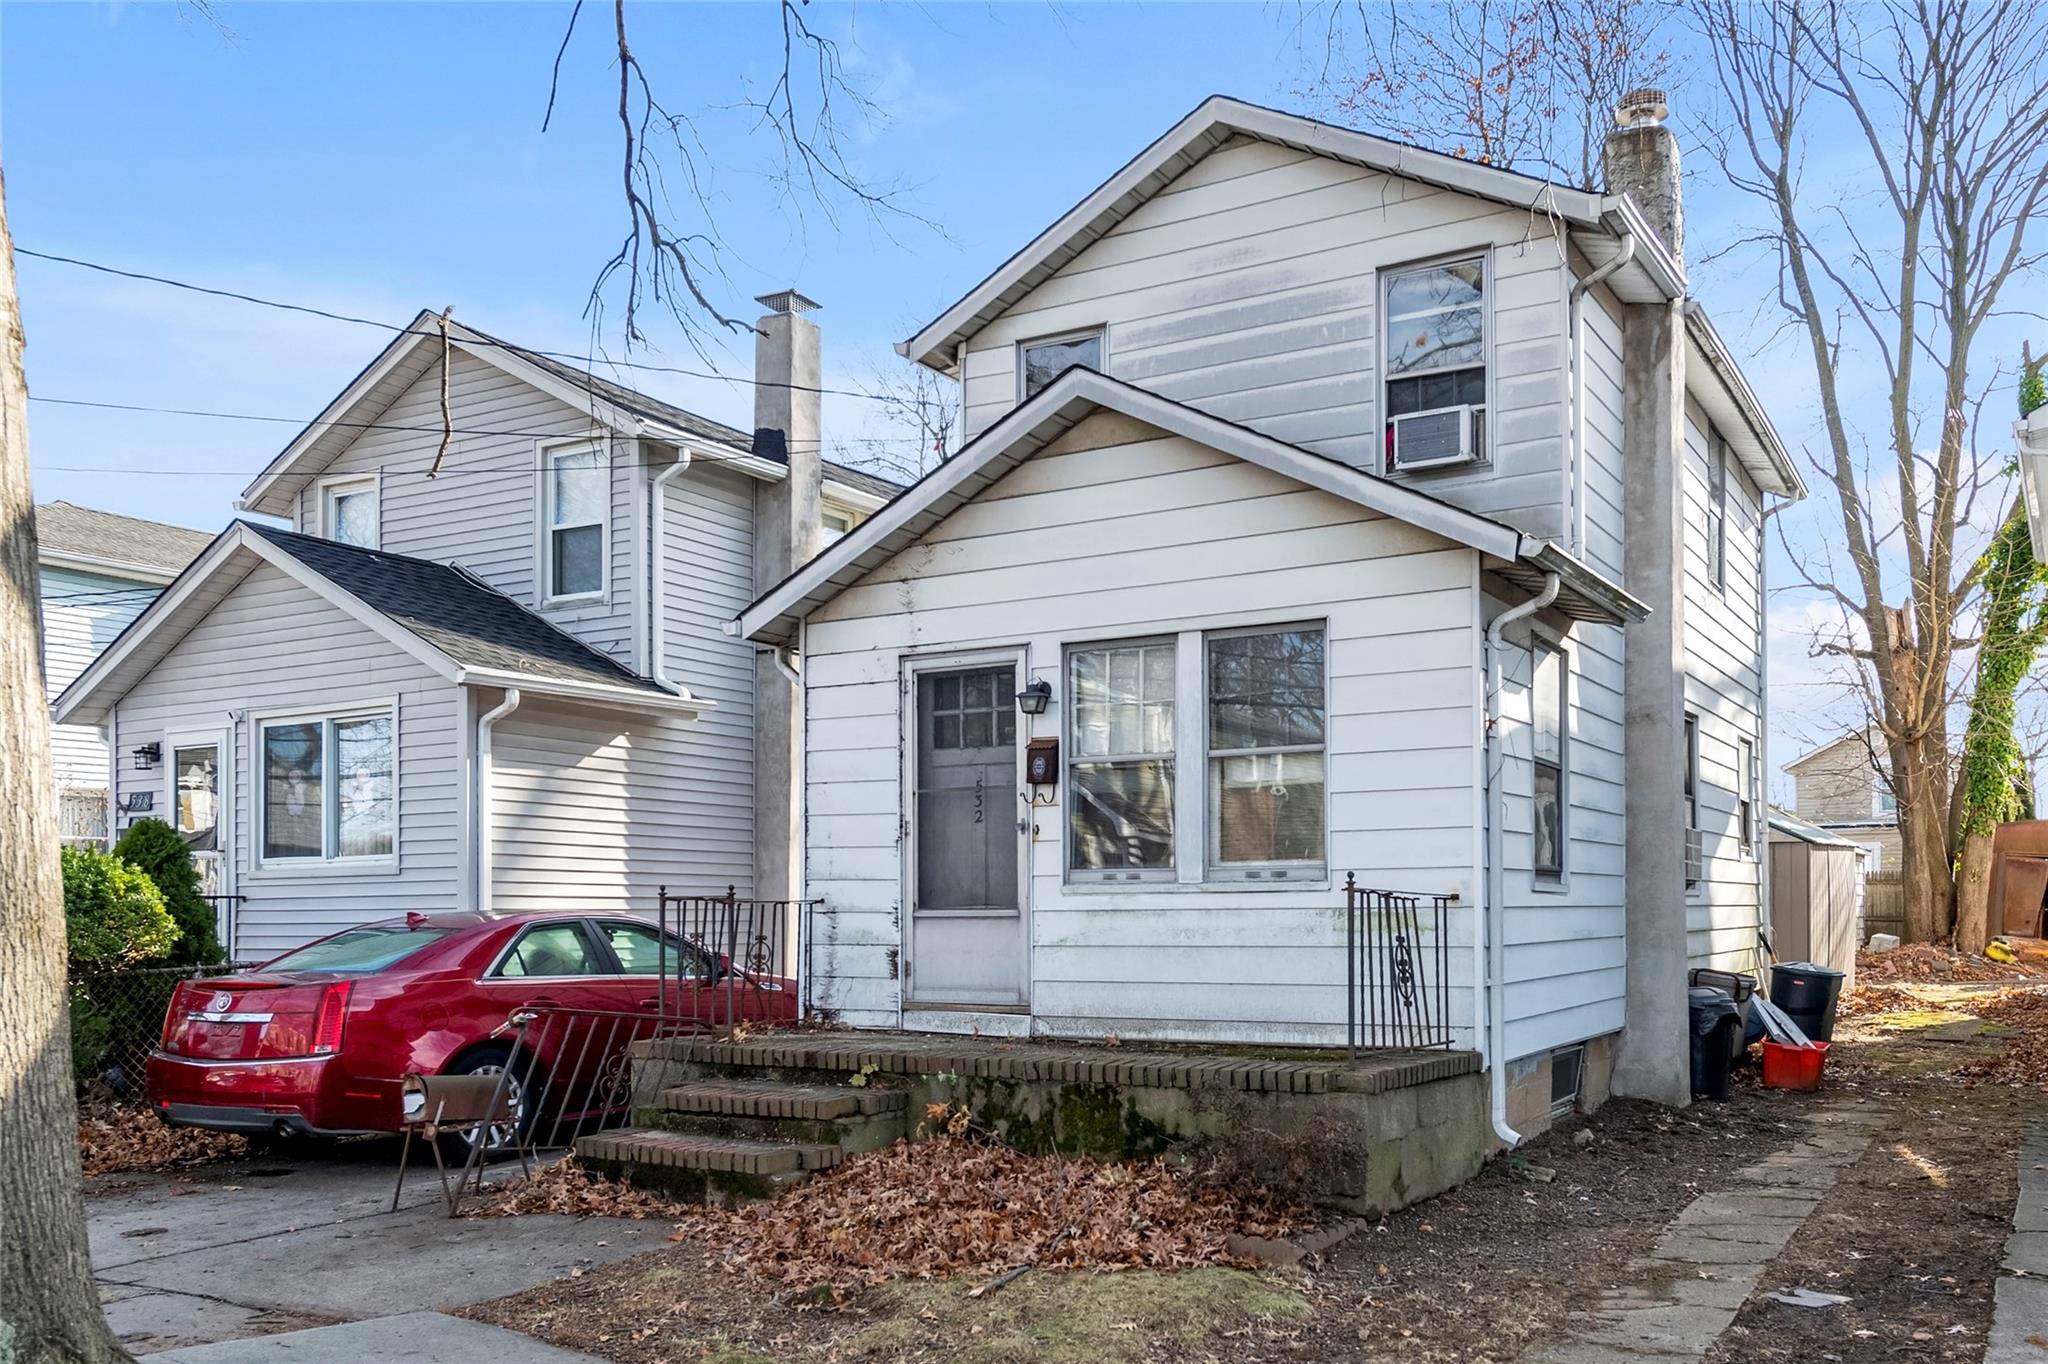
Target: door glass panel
<point x="198" y="812"/>
<point x="966" y="790"/>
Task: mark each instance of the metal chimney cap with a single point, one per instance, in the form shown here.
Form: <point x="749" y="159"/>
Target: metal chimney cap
<point x="787" y="301"/>
<point x="1644" y="105"/>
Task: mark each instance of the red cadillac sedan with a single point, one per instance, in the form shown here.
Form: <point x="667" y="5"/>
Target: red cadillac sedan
<point x="317" y="1041"/>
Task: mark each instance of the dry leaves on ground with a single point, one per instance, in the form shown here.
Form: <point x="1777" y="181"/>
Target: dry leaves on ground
<point x="1930" y="963"/>
<point x="1866" y="1000"/>
<point x="564" y="1188"/>
<point x="947" y="1207"/>
<point x="121" y="1140"/>
<point x="2024" y="1061"/>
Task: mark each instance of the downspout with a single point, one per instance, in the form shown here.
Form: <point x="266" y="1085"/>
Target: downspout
<point x="484" y="725"/>
<point x="656" y="633"/>
<point x="1575" y="396"/>
<point x="1492" y="930"/>
<point x="786" y="665"/>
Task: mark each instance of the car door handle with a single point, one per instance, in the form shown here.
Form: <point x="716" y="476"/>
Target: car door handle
<point x="651" y="1003"/>
<point x="544" y="1002"/>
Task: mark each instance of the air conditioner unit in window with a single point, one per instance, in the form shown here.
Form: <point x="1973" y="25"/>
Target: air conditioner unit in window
<point x="1436" y="439"/>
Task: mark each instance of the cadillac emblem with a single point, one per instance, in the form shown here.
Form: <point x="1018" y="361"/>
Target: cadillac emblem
<point x="222" y="1003"/>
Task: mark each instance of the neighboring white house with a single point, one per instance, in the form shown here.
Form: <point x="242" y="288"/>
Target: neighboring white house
<point x="1348" y="508"/>
<point x="494" y="678"/>
<point x="97" y="572"/>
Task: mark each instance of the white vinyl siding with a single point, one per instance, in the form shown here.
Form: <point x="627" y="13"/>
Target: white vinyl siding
<point x="272" y="647"/>
<point x="483" y="510"/>
<point x="1110" y="535"/>
<point x="1248" y="288"/>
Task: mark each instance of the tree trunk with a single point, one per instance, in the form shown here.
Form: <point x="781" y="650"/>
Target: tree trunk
<point x="1920" y="778"/>
<point x="48" y="1305"/>
<point x="1973" y="894"/>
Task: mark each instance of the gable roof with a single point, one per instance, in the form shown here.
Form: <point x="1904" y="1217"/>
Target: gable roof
<point x="97" y="541"/>
<point x="453" y="622"/>
<point x="1078" y="393"/>
<point x="1596" y="221"/>
<point x="1855" y="736"/>
<point x="414" y="352"/>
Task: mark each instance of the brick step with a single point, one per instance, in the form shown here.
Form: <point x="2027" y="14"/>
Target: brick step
<point x="768" y="1099"/>
<point x="711" y="1169"/>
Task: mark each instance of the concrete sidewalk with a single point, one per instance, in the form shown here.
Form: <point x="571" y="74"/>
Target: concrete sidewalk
<point x="300" y="1258"/>
<point x="2019" y="1311"/>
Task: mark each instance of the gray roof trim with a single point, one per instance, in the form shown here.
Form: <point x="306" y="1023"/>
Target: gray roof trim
<point x="1215" y="121"/>
<point x="1741" y="418"/>
<point x="1062" y="405"/>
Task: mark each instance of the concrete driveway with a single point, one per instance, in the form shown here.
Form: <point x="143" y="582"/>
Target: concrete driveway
<point x="300" y="1258"/>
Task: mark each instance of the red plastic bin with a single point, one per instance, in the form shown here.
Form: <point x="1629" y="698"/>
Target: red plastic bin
<point x="1793" y="1067"/>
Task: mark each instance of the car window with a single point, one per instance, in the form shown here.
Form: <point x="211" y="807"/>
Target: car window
<point x="638" y="948"/>
<point x="551" y="950"/>
<point x="366" y="949"/>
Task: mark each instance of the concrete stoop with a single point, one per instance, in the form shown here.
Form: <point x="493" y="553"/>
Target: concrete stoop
<point x="744" y="1119"/>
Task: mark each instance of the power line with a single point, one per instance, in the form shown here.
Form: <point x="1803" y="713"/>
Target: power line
<point x="473" y="338"/>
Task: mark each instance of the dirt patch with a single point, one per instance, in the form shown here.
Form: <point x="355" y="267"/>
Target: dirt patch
<point x="125" y="1140"/>
<point x="1912" y="1233"/>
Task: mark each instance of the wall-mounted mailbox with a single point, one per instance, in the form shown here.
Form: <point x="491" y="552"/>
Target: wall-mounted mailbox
<point x="1042" y="762"/>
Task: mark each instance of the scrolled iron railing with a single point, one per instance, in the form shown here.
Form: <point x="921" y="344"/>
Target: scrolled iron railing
<point x="1397" y="986"/>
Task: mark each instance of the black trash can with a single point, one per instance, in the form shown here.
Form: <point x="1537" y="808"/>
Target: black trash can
<point x="1715" y="1024"/>
<point x="1741" y="989"/>
<point x="1809" y="995"/>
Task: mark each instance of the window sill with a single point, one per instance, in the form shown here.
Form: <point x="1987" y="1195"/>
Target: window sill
<point x="575" y="603"/>
<point x="1550" y="885"/>
<point x="1262" y="887"/>
<point x="302" y="868"/>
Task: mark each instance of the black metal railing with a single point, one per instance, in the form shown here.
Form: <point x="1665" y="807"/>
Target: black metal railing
<point x="1397" y="987"/>
<point x="741" y="961"/>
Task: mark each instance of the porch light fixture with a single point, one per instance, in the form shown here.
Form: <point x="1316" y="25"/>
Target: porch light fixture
<point x="1034" y="698"/>
<point x="148" y="756"/>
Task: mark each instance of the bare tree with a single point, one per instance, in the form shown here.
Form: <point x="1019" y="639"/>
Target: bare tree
<point x="49" y="1309"/>
<point x="920" y="411"/>
<point x="1522" y="84"/>
<point x="1935" y="120"/>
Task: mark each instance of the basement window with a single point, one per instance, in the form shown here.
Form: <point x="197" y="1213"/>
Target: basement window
<point x="1567" y="1070"/>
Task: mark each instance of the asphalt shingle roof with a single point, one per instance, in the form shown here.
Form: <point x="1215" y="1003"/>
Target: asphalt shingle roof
<point x="63" y="528"/>
<point x="463" y="617"/>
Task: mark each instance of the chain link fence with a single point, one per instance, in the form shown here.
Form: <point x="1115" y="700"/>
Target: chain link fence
<point x="117" y="1018"/>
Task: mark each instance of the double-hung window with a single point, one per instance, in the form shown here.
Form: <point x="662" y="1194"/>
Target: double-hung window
<point x="1042" y="361"/>
<point x="328" y="787"/>
<point x="1435" y="339"/>
<point x="1717" y="509"/>
<point x="348" y="512"/>
<point x="1122" y="771"/>
<point x="1266" y="713"/>
<point x="575" y="491"/>
<point x="1745" y="795"/>
<point x="1549" y="701"/>
<point x="1693" y="855"/>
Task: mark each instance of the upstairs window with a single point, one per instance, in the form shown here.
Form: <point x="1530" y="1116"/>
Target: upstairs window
<point x="1435" y="339"/>
<point x="833" y="524"/>
<point x="1717" y="510"/>
<point x="1042" y="361"/>
<point x="1266" y="731"/>
<point x="1548" y="713"/>
<point x="348" y="512"/>
<point x="576" y="484"/>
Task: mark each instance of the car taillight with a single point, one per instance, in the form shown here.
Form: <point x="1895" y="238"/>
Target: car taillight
<point x="333" y="1013"/>
<point x="174" y="1017"/>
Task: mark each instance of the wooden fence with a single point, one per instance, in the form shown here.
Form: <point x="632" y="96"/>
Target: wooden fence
<point x="1884" y="903"/>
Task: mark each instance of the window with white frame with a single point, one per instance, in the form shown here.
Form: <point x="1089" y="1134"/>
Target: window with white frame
<point x="1435" y="344"/>
<point x="348" y="512"/>
<point x="575" y="492"/>
<point x="1121" y="774"/>
<point x="1042" y="361"/>
<point x="1549" y="702"/>
<point x="1266" y="705"/>
<point x="833" y="524"/>
<point x="1745" y="794"/>
<point x="1692" y="801"/>
<point x="1717" y="509"/>
<point x="328" y="787"/>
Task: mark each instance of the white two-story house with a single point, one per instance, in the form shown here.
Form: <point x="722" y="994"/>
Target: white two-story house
<point x="1329" y="507"/>
<point x="483" y="664"/>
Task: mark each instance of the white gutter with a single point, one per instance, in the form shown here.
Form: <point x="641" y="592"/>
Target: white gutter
<point x="656" y="644"/>
<point x="1575" y="391"/>
<point x="1491" y="932"/>
<point x="634" y="697"/>
<point x="485" y="723"/>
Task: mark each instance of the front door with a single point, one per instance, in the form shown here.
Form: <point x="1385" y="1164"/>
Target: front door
<point x="967" y="934"/>
<point x="198" y="812"/>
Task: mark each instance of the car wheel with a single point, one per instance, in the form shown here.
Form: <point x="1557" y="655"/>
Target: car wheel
<point x="525" y="1086"/>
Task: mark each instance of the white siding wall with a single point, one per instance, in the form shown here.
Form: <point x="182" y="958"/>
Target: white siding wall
<point x="600" y="808"/>
<point x="1723" y="686"/>
<point x="270" y="648"/>
<point x="1150" y="534"/>
<point x="82" y="612"/>
<point x="482" y="511"/>
<point x="1248" y="288"/>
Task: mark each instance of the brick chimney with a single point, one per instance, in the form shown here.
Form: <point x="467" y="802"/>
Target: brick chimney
<point x="787" y="516"/>
<point x="1640" y="159"/>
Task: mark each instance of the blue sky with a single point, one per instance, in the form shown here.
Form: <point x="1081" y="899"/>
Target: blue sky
<point x="375" y="159"/>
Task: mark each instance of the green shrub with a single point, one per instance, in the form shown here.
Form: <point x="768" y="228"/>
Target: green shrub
<point x="156" y="849"/>
<point x="113" y="912"/>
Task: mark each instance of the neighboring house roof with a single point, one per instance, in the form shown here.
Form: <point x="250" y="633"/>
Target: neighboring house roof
<point x="97" y="541"/>
<point x="1792" y="826"/>
<point x="1077" y="394"/>
<point x="1596" y="223"/>
<point x="625" y="411"/>
<point x="1858" y="737"/>
<point x="452" y="621"/>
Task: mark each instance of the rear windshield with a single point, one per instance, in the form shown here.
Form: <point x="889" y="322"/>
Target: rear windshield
<point x="360" y="949"/>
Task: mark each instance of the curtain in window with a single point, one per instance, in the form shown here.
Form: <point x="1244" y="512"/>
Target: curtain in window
<point x="293" y="771"/>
